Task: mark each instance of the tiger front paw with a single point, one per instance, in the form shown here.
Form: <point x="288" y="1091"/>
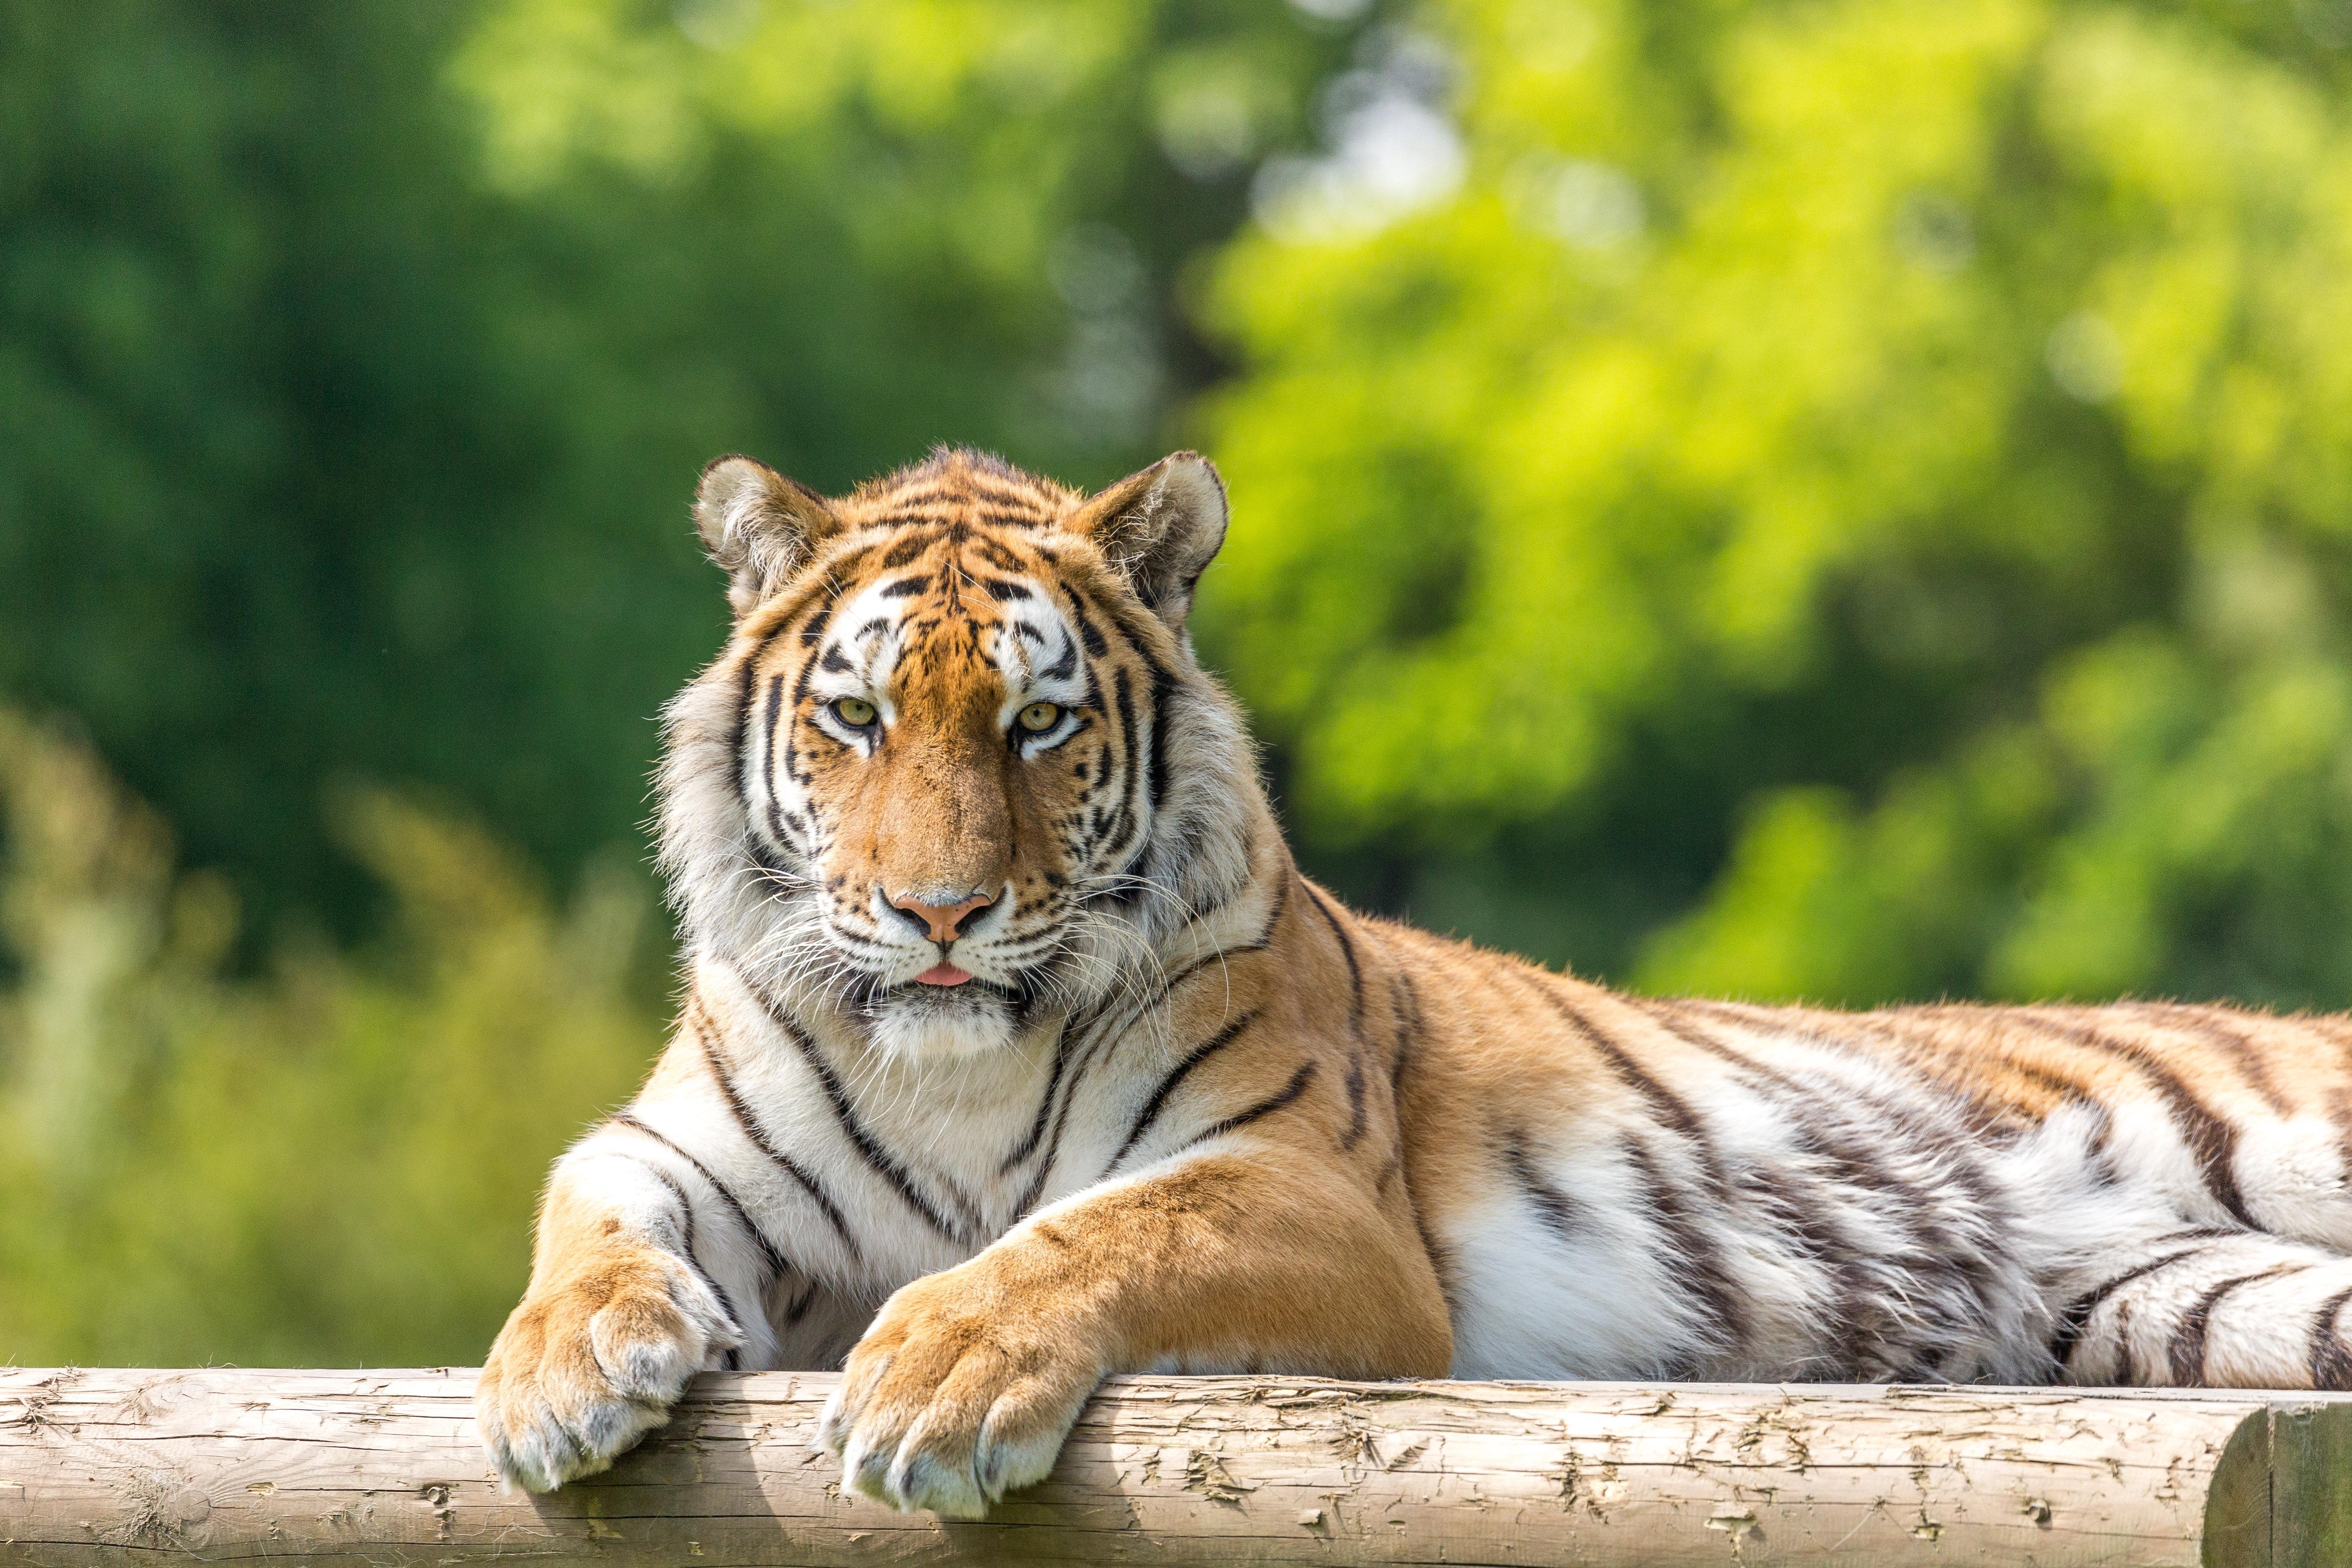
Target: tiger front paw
<point x="584" y="1370"/>
<point x="953" y="1399"/>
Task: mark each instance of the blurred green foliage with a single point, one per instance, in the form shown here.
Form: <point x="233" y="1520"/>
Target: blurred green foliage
<point x="329" y="1162"/>
<point x="356" y="361"/>
<point x="1844" y="498"/>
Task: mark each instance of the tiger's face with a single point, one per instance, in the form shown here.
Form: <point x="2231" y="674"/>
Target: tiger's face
<point x="957" y="697"/>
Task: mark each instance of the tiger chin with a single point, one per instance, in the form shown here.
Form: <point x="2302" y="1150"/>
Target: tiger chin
<point x="1016" y="1051"/>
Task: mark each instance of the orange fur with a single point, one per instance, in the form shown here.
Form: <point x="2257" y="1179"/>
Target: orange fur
<point x="1190" y="1113"/>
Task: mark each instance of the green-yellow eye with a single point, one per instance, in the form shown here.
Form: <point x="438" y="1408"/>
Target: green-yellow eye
<point x="854" y="711"/>
<point x="1040" y="717"/>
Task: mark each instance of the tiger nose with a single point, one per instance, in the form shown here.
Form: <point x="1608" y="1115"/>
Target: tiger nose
<point x="941" y="919"/>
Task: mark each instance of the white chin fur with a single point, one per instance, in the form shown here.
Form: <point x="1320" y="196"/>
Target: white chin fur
<point x="916" y="1027"/>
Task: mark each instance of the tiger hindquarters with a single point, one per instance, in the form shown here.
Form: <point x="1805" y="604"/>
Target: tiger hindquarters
<point x="2213" y="1308"/>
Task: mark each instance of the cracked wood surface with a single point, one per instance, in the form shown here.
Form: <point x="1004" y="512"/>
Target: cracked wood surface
<point x="382" y="1468"/>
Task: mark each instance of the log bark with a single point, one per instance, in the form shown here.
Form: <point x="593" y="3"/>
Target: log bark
<point x="376" y="1468"/>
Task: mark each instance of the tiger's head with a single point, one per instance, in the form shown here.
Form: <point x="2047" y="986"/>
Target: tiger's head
<point x="957" y="772"/>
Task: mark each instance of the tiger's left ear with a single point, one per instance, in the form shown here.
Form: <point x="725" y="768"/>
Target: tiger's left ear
<point x="758" y="526"/>
<point x="1160" y="528"/>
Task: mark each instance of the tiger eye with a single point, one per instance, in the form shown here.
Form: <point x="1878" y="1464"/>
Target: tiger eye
<point x="854" y="711"/>
<point x="1040" y="717"/>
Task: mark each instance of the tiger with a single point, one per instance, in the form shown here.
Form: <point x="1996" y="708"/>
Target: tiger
<point x="1016" y="1051"/>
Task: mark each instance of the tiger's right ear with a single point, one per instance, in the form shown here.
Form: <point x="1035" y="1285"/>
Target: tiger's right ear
<point x="759" y="526"/>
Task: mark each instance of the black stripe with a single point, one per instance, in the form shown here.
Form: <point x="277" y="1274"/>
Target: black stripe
<point x="2232" y="1042"/>
<point x="2187" y="1352"/>
<point x="1355" y="1100"/>
<point x="1273" y="916"/>
<point x="1139" y="640"/>
<point x="1857" y="1164"/>
<point x="1053" y="1140"/>
<point x="1139" y="644"/>
<point x="1554" y="1207"/>
<point x="1660" y="1013"/>
<point x="1917" y="1026"/>
<point x="1346" y="951"/>
<point x="1168" y="988"/>
<point x="777" y="1264"/>
<point x="775" y="808"/>
<point x="1703" y="1272"/>
<point x="1097" y="1043"/>
<point x="747" y="687"/>
<point x="1096" y="1035"/>
<point x="1935" y="1251"/>
<point x="1266" y="1107"/>
<point x="1163" y="701"/>
<point x="1669" y="1107"/>
<point x="989" y="548"/>
<point x="686" y="1242"/>
<point x="2331" y="1363"/>
<point x="799" y="1309"/>
<point x="1442" y="1263"/>
<point x="1355" y="1017"/>
<point x="1124" y="823"/>
<point x="748" y="681"/>
<point x="868" y="1148"/>
<point x="1182" y="848"/>
<point x="1409" y="1029"/>
<point x="811" y="634"/>
<point x="2213" y="1140"/>
<point x="814" y="633"/>
<point x="1028" y="1145"/>
<point x="758" y="1138"/>
<point x="1191" y="1058"/>
<point x="1088" y="633"/>
<point x="1953" y="1260"/>
<point x="1954" y="1127"/>
<point x="778" y="875"/>
<point x="906" y="550"/>
<point x="2077" y="1317"/>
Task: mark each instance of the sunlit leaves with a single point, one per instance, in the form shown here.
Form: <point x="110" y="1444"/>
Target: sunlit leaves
<point x="1784" y="361"/>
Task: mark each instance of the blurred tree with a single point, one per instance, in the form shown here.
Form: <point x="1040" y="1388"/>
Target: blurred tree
<point x="356" y="361"/>
<point x="330" y="1162"/>
<point x="1841" y="498"/>
<point x="1845" y="500"/>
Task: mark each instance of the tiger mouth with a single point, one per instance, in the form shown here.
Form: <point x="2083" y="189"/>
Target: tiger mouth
<point x="973" y="991"/>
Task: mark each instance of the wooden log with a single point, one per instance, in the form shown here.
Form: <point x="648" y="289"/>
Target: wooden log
<point x="374" y="1469"/>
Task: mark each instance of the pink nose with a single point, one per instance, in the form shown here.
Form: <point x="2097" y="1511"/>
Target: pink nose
<point x="942" y="919"/>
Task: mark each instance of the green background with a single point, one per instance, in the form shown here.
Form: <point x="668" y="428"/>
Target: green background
<point x="1848" y="499"/>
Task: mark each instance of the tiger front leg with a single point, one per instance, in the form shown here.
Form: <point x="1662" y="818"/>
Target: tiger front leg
<point x="617" y="1318"/>
<point x="968" y="1382"/>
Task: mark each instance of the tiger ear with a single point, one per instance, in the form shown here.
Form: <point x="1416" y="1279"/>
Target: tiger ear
<point x="758" y="526"/>
<point x="1159" y="528"/>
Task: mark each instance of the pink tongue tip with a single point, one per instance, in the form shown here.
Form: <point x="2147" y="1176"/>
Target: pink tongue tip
<point x="942" y="974"/>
